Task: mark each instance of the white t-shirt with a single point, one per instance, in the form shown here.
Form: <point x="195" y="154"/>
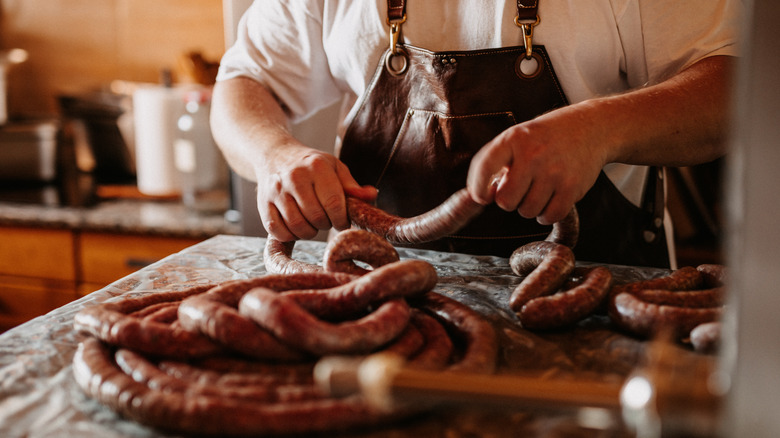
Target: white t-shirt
<point x="312" y="53"/>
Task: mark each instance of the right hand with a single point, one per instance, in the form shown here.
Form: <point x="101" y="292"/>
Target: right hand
<point x="302" y="191"/>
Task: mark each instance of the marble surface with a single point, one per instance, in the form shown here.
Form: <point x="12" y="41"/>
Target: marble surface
<point x="134" y="216"/>
<point x="39" y="397"/>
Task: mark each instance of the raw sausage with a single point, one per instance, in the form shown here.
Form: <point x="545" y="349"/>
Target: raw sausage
<point x="480" y="342"/>
<point x="705" y="337"/>
<point x="112" y="323"/>
<point x="446" y="219"/>
<point x="546" y="265"/>
<point x="566" y="231"/>
<point x="690" y="298"/>
<point x="215" y="313"/>
<point x="437" y="348"/>
<point x="339" y="256"/>
<point x="277" y="257"/>
<point x="99" y="376"/>
<point x="567" y="307"/>
<point x="673" y="304"/>
<point x="685" y="278"/>
<point x="297" y="327"/>
<point x="360" y="245"/>
<point x="146" y="372"/>
<point x="647" y="319"/>
<point x="714" y="274"/>
<point x="404" y="278"/>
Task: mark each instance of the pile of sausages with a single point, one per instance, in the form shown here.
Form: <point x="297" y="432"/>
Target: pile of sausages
<point x="551" y="295"/>
<point x="685" y="305"/>
<point x="554" y="293"/>
<point x="236" y="358"/>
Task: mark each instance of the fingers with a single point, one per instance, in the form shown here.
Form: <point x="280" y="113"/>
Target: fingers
<point x="285" y="222"/>
<point x="351" y="187"/>
<point x="486" y="171"/>
<point x="519" y="171"/>
<point x="310" y="196"/>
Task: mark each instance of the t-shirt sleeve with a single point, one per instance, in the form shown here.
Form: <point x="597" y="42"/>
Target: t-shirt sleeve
<point x="279" y="44"/>
<point x="676" y="34"/>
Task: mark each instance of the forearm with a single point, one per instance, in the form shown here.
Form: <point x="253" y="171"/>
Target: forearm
<point x="680" y="122"/>
<point x="248" y="124"/>
<point x="543" y="166"/>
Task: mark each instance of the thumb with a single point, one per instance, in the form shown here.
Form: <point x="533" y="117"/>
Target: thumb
<point x="486" y="171"/>
<point x="352" y="188"/>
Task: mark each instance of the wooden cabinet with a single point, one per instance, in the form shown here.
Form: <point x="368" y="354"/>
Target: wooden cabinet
<point x="37" y="252"/>
<point x="37" y="272"/>
<point x="42" y="269"/>
<point x="105" y="257"/>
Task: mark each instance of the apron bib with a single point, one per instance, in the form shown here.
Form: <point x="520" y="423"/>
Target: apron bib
<point x="424" y="116"/>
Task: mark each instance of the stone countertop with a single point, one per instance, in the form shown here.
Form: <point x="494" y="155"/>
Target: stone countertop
<point x="128" y="216"/>
<point x="39" y="397"/>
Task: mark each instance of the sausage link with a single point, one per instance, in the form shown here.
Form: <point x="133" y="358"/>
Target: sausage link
<point x="705" y="337"/>
<point x="231" y="371"/>
<point x="567" y="307"/>
<point x="437" y="350"/>
<point x="295" y="326"/>
<point x="647" y="319"/>
<point x="408" y="343"/>
<point x="143" y="371"/>
<point x="446" y="219"/>
<point x="404" y="278"/>
<point x="165" y="314"/>
<point x="480" y="351"/>
<point x="112" y="323"/>
<point x="277" y="257"/>
<point x="546" y="266"/>
<point x="566" y="231"/>
<point x="361" y="245"/>
<point x="692" y="298"/>
<point x="98" y="375"/>
<point x="215" y="313"/>
<point x="714" y="275"/>
<point x="685" y="278"/>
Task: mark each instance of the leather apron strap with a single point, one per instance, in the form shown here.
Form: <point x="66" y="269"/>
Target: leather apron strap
<point x="526" y="9"/>
<point x="419" y="125"/>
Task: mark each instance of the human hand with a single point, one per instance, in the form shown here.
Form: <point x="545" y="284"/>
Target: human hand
<point x="301" y="191"/>
<point x="539" y="168"/>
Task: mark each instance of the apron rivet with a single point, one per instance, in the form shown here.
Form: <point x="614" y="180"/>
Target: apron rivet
<point x="658" y="222"/>
<point x="444" y="61"/>
<point x="453" y="60"/>
<point x="649" y="236"/>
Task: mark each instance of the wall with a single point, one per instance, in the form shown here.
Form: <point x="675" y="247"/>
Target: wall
<point x="76" y="45"/>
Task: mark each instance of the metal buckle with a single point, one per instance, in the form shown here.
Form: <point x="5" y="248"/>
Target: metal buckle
<point x="395" y="32"/>
<point x="528" y="34"/>
<point x="395" y="51"/>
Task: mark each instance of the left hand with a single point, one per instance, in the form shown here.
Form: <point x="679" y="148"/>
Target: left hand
<point x="539" y="168"/>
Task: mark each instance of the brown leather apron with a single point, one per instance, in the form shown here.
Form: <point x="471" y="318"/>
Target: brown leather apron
<point x="424" y="116"/>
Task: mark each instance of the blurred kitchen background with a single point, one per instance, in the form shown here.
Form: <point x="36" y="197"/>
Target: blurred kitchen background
<point x="84" y="57"/>
<point x="76" y="223"/>
<point x="92" y="69"/>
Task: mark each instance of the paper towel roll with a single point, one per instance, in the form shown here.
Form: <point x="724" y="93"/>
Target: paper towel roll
<point x="155" y="111"/>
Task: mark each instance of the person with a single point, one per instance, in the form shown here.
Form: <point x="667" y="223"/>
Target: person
<point x="535" y="107"/>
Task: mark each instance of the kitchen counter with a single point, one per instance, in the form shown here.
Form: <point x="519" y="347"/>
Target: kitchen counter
<point x="131" y="216"/>
<point x="39" y="397"/>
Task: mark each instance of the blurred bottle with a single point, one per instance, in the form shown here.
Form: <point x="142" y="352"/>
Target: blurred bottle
<point x="203" y="171"/>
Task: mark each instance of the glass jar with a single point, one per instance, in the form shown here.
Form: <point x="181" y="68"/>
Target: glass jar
<point x="203" y="171"/>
